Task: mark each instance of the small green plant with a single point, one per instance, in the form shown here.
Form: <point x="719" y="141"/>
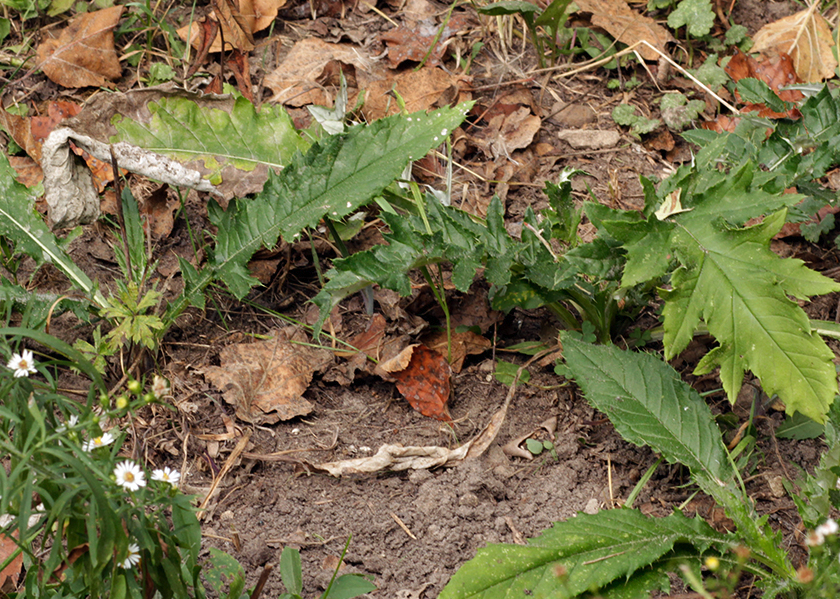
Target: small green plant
<point x="224" y="571"/>
<point x="345" y="586"/>
<point x="624" y="553"/>
<point x="88" y="520"/>
<point x="626" y="115"/>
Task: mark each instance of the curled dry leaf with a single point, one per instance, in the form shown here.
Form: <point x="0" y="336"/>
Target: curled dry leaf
<point x="265" y="381"/>
<point x="239" y="24"/>
<point x="463" y="345"/>
<point x="413" y="42"/>
<point x="83" y="54"/>
<point x="806" y="37"/>
<point x="627" y="26"/>
<point x="504" y="134"/>
<point x="423" y="377"/>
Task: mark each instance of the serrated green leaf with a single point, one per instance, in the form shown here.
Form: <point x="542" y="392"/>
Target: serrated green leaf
<point x="729" y="278"/>
<point x="649" y="404"/>
<point x="757" y="91"/>
<point x="334" y="178"/>
<point x="588" y="552"/>
<point x="242" y="138"/>
<point x="697" y="15"/>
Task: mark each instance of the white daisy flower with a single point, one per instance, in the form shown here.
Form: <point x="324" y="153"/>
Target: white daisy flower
<point x="160" y="386"/>
<point x="167" y="475"/>
<point x="828" y="528"/>
<point x="129" y="476"/>
<point x="71" y="422"/>
<point x="23" y="364"/>
<point x="133" y="557"/>
<point x="97" y="442"/>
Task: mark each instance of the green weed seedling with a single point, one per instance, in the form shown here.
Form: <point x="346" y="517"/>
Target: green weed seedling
<point x="345" y="586"/>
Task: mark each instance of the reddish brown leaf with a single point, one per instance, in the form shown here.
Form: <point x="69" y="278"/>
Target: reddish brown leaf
<point x="413" y="43"/>
<point x="776" y="72"/>
<point x="9" y="574"/>
<point x="239" y="66"/>
<point x="463" y="344"/>
<point x="423" y="378"/>
<point x="27" y="171"/>
<point x="369" y="342"/>
<point x="83" y="54"/>
<point x="20" y="128"/>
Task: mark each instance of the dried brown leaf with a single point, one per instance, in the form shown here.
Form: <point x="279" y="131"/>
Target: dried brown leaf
<point x="265" y="381"/>
<point x="239" y="23"/>
<point x="806" y="37"/>
<point x="627" y="26"/>
<point x="83" y="54"/>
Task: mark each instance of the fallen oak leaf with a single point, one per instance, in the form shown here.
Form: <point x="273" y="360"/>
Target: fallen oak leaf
<point x="627" y="26"/>
<point x="265" y="381"/>
<point x="806" y="37"/>
<point x="83" y="55"/>
<point x="423" y="378"/>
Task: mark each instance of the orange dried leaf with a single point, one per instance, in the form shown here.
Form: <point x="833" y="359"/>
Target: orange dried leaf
<point x="83" y="54"/>
<point x="806" y="37"/>
<point x="9" y="574"/>
<point x="423" y="378"/>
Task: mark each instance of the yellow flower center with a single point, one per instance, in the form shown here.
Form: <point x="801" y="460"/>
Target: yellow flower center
<point x="129" y="477"/>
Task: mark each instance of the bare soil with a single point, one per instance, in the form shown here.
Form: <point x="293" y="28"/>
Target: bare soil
<point x="412" y="530"/>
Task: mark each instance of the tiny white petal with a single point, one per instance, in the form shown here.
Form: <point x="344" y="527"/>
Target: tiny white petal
<point x="133" y="557"/>
<point x="97" y="442"/>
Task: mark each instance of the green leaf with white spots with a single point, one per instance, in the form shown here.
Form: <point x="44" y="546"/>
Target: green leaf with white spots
<point x="696" y="15"/>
